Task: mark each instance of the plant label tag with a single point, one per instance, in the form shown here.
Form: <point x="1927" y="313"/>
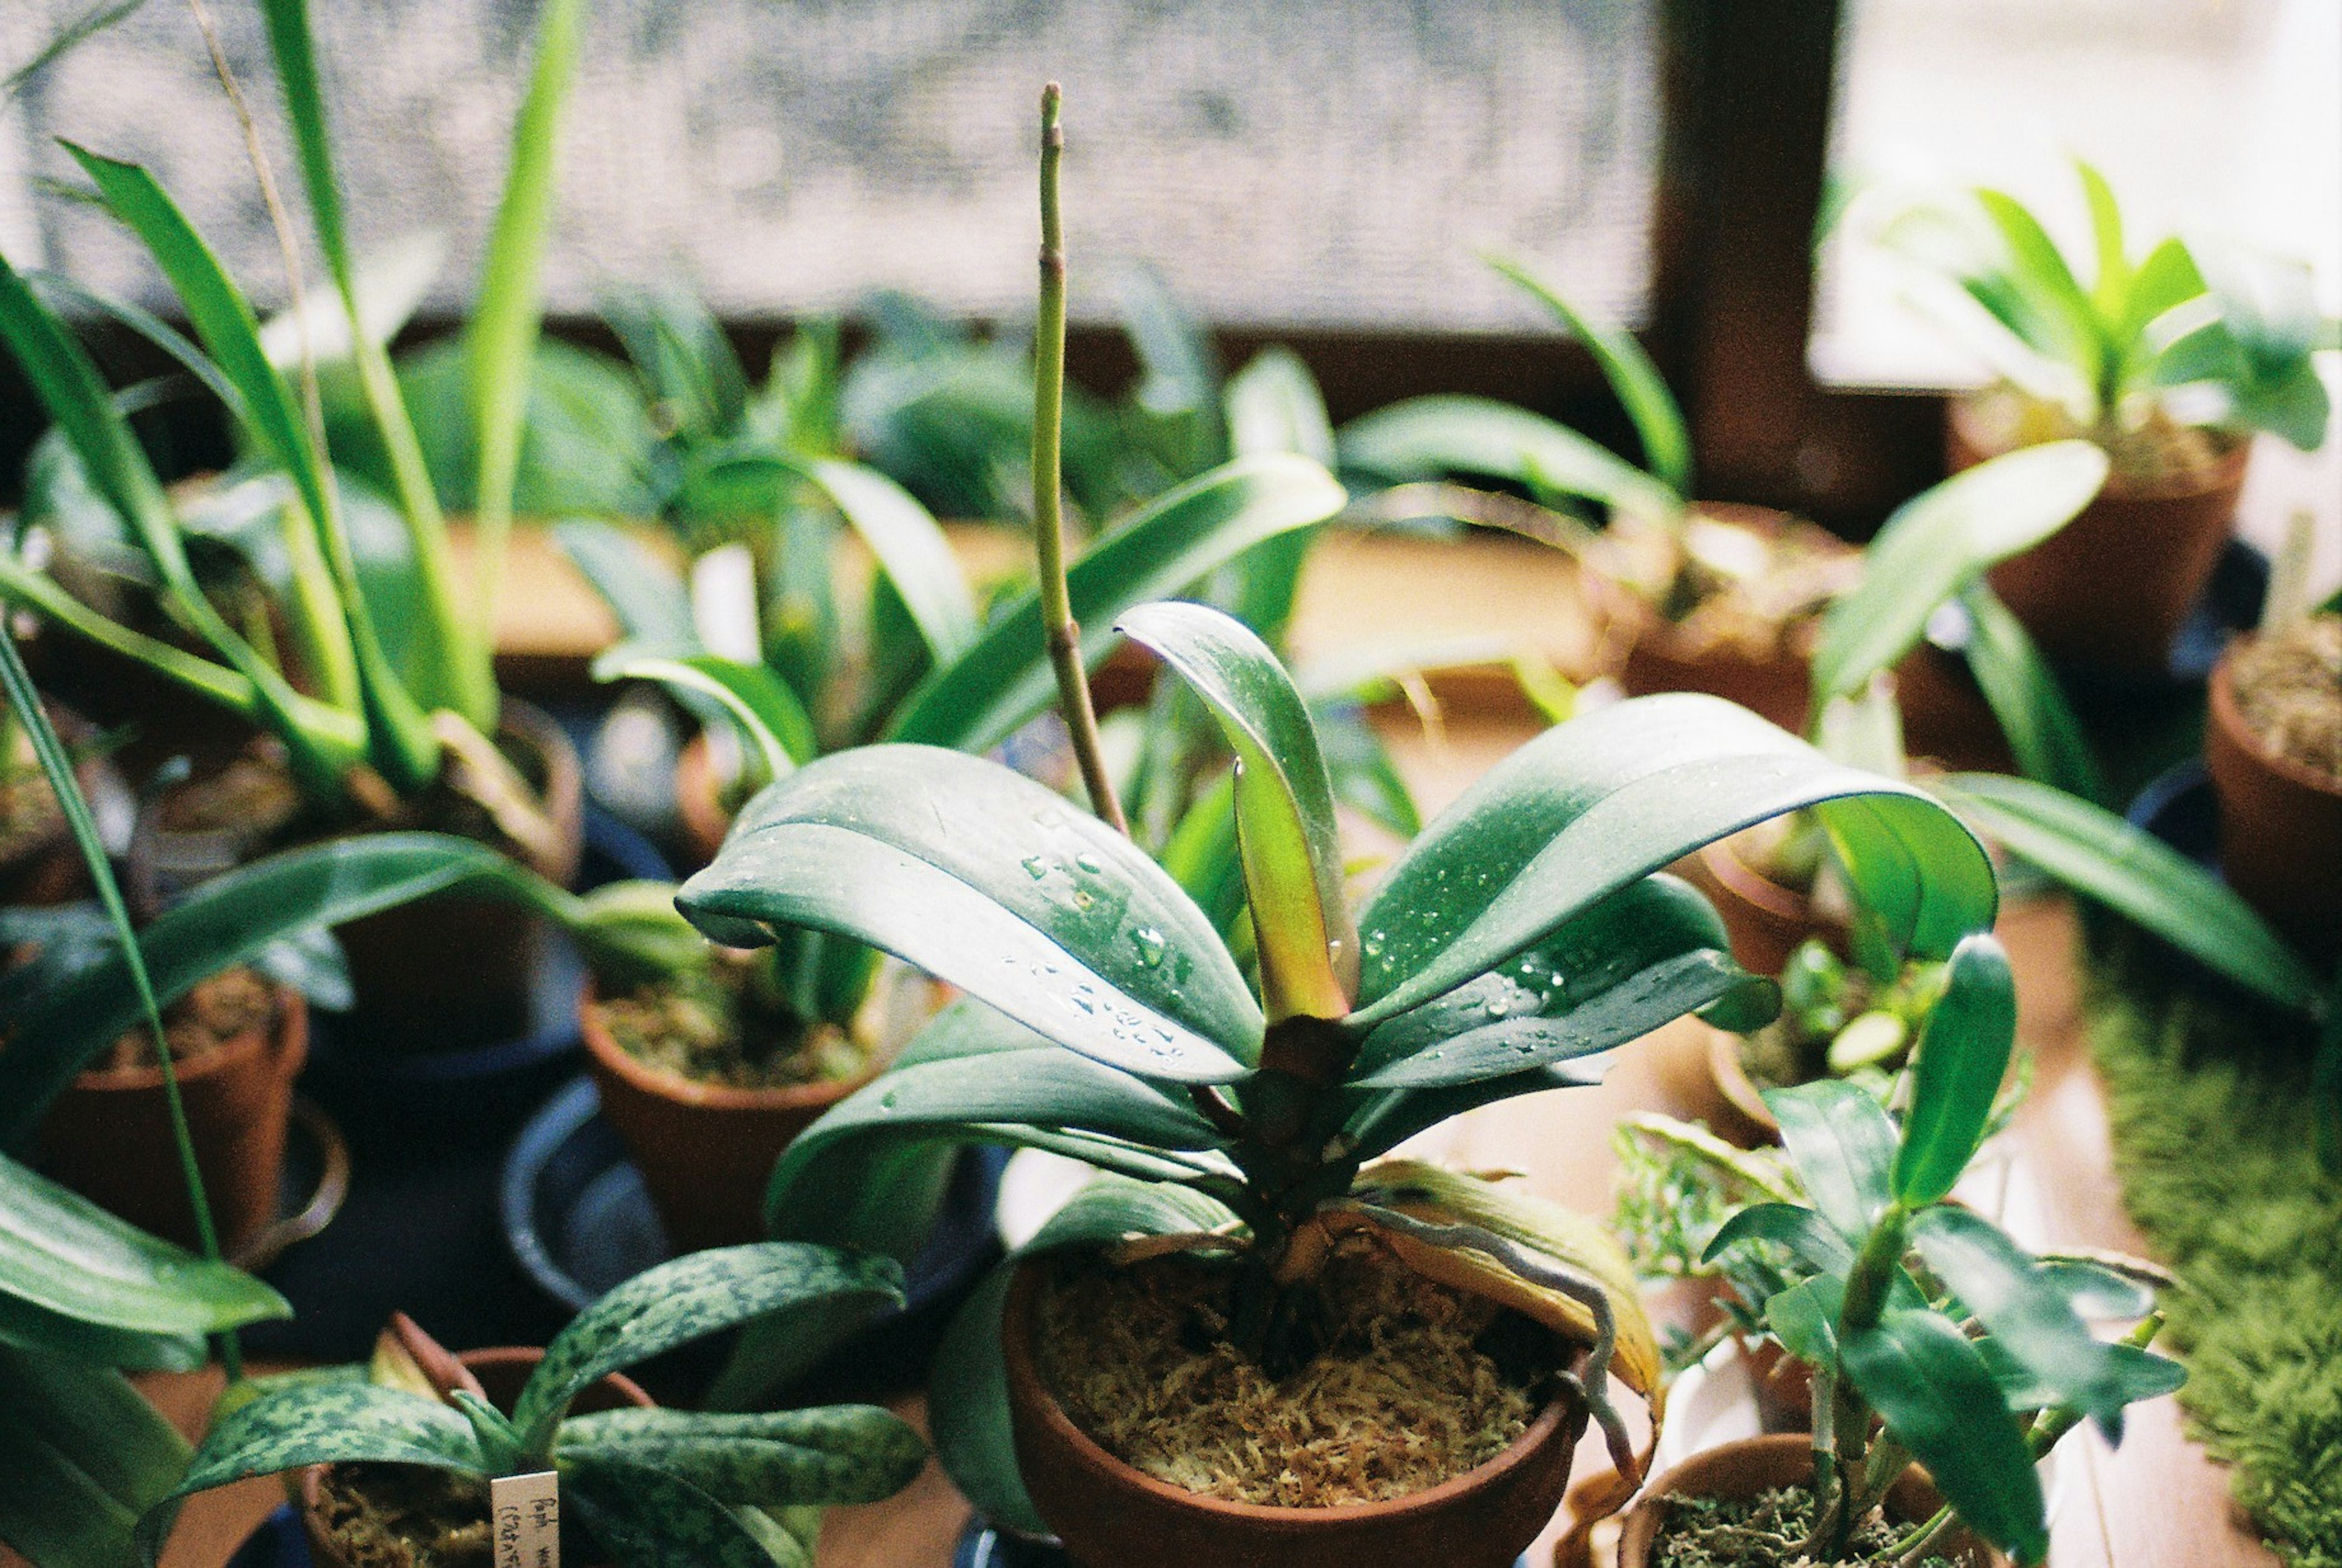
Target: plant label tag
<point x="527" y="1514"/>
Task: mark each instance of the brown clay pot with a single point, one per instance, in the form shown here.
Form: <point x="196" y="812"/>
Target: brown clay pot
<point x="1755" y="1464"/>
<point x="500" y="1371"/>
<point x="1111" y="1515"/>
<point x="108" y="1136"/>
<point x="699" y="800"/>
<point x="705" y="1150"/>
<point x="457" y="970"/>
<point x="45" y="866"/>
<point x="2111" y="590"/>
<point x="1766" y="920"/>
<point x="2280" y="827"/>
<point x="1756" y="1127"/>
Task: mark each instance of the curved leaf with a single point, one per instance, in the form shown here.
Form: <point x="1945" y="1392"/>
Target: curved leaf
<point x="910" y="549"/>
<point x="643" y="590"/>
<point x="1937" y="543"/>
<point x="82" y="1456"/>
<point x="645" y="1515"/>
<point x="989" y="880"/>
<point x="1803" y="1231"/>
<point x="759" y="701"/>
<point x="1274" y="406"/>
<point x="1842" y="1147"/>
<point x="1426" y="436"/>
<point x="840" y="1454"/>
<point x="1961" y="1058"/>
<point x="1004" y="681"/>
<point x="1602" y="801"/>
<point x="2101" y="856"/>
<point x="2043" y="731"/>
<point x="1634" y="380"/>
<point x="1938" y="1400"/>
<point x="1385" y="1118"/>
<point x="1292" y="855"/>
<point x="26" y="1327"/>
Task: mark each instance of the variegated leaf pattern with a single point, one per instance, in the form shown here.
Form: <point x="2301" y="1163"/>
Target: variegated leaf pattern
<point x="842" y="1453"/>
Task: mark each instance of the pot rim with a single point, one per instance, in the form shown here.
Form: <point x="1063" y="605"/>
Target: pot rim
<point x="610" y="1057"/>
<point x="1550" y="1423"/>
<point x="1732" y="1080"/>
<point x="2230" y="718"/>
<point x="1752" y="886"/>
<point x="287" y="1036"/>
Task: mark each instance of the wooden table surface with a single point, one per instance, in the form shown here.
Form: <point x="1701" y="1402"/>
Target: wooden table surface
<point x="2159" y="1503"/>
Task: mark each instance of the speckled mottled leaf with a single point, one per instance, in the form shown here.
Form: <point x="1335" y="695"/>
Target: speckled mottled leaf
<point x="989" y="880"/>
<point x="1604" y="800"/>
<point x="1292" y="857"/>
<point x="684" y="1300"/>
<point x="840" y="1454"/>
<point x="648" y="1518"/>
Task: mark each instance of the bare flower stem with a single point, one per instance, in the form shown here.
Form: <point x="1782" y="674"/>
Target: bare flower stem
<point x="1064" y="637"/>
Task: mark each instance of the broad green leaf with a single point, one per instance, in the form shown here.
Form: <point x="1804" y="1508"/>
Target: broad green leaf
<point x="2028" y="1311"/>
<point x="1604" y="800"/>
<point x="1428" y="436"/>
<point x="2101" y="856"/>
<point x="2050" y="296"/>
<point x="1274" y="406"/>
<point x="991" y="882"/>
<point x="2043" y="731"/>
<point x="1005" y="679"/>
<point x="1843" y="1148"/>
<point x="82" y="1456"/>
<point x="36" y="1329"/>
<point x="2167" y="279"/>
<point x="1940" y="541"/>
<point x="1803" y="1318"/>
<point x="1284" y="806"/>
<point x="689" y="1299"/>
<point x="1803" y="1231"/>
<point x="648" y="1517"/>
<point x="678" y="350"/>
<point x="643" y="590"/>
<point x="2135" y="1375"/>
<point x="1634" y="379"/>
<point x="1385" y="1118"/>
<point x="1961" y="1058"/>
<point x="837" y="1455"/>
<point x="62" y="1253"/>
<point x="1938" y="1400"/>
<point x="759" y="701"/>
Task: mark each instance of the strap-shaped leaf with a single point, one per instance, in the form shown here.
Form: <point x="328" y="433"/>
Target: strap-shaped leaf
<point x="1599" y="802"/>
<point x="648" y="1516"/>
<point x="82" y="1456"/>
<point x="1843" y="1148"/>
<point x="2101" y="856"/>
<point x="1803" y="1231"/>
<point x="1274" y="404"/>
<point x="2025" y="1309"/>
<point x="986" y="879"/>
<point x="1180" y="537"/>
<point x="1292" y="855"/>
<point x="1441" y="434"/>
<point x="1938" y="1399"/>
<point x="833" y="1455"/>
<point x="2043" y="731"/>
<point x="643" y="590"/>
<point x="1634" y="380"/>
<point x="759" y="701"/>
<point x="688" y="1299"/>
<point x="1385" y="1118"/>
<point x="63" y="1254"/>
<point x="1961" y="1058"/>
<point x="2048" y="292"/>
<point x="1941" y="540"/>
<point x="26" y="1327"/>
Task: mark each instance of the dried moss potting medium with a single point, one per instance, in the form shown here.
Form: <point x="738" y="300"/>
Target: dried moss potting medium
<point x="2288" y="688"/>
<point x="406" y="1516"/>
<point x="214" y="1013"/>
<point x="1767" y="1531"/>
<point x="1404" y="1394"/>
<point x="714" y="1026"/>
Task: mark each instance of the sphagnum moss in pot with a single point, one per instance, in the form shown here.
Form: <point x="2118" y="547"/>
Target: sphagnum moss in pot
<point x="400" y="1461"/>
<point x="380" y="724"/>
<point x="2274" y="747"/>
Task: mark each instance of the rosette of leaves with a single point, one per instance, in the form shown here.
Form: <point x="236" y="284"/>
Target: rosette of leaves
<point x="1930" y="1334"/>
<point x="652" y="1487"/>
<point x="1527" y="930"/>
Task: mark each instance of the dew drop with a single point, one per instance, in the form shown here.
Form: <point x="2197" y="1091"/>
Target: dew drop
<point x="1150" y="944"/>
<point x="1036" y="866"/>
<point x="1088" y="863"/>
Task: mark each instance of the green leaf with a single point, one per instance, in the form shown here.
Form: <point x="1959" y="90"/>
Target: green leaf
<point x="2059" y="311"/>
<point x="2043" y="731"/>
<point x="1292" y="855"/>
<point x="228" y="921"/>
<point x="82" y="1456"/>
<point x="1274" y="406"/>
<point x="1634" y="380"/>
<point x="642" y="589"/>
<point x="910" y="549"/>
<point x="1939" y="542"/>
<point x="1604" y="800"/>
<point x="1428" y="436"/>
<point x="759" y="701"/>
<point x="63" y="1254"/>
<point x="993" y="882"/>
<point x="1791" y="1226"/>
<point x="2110" y="282"/>
<point x="2101" y="856"/>
<point x="1961" y="1058"/>
<point x="2028" y="1311"/>
<point x="26" y="1327"/>
<point x="1004" y="681"/>
<point x="649" y="1517"/>
<point x="1843" y="1148"/>
<point x="1938" y="1400"/>
<point x="837" y="1455"/>
<point x="1803" y="1318"/>
<point x="689" y="1299"/>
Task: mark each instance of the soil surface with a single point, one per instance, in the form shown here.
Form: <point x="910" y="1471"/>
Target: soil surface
<point x="215" y="1014"/>
<point x="720" y="1026"/>
<point x="1727" y="586"/>
<point x="406" y="1516"/>
<point x="254" y="793"/>
<point x="2288" y="688"/>
<point x="29" y="817"/>
<point x="1407" y="1391"/>
<point x="2155" y="453"/>
<point x="1763" y="1531"/>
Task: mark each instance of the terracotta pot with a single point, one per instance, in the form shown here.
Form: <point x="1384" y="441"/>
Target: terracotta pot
<point x="108" y="1136"/>
<point x="699" y="800"/>
<point x="2280" y="827"/>
<point x="501" y="1373"/>
<point x="1755" y="1464"/>
<point x="1757" y="1126"/>
<point x="1766" y="920"/>
<point x="456" y="970"/>
<point x="1782" y="1385"/>
<point x="2111" y="590"/>
<point x="705" y="1150"/>
<point x="1111" y="1515"/>
<point x="45" y="866"/>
